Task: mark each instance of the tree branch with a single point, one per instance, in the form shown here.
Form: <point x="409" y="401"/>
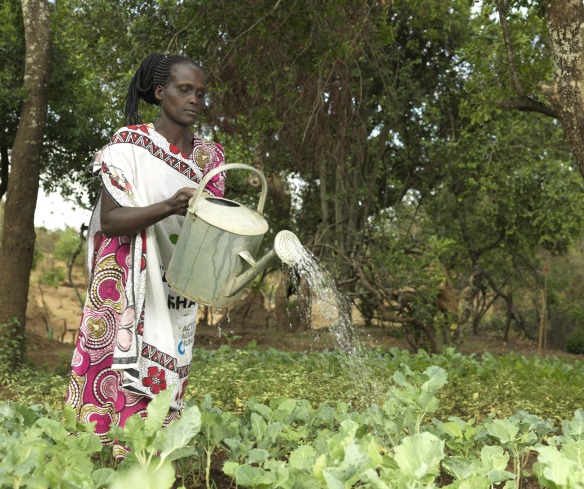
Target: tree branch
<point x="523" y="102"/>
<point x="527" y="104"/>
<point x="514" y="72"/>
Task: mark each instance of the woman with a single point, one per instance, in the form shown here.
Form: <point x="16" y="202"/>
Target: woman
<point x="136" y="333"/>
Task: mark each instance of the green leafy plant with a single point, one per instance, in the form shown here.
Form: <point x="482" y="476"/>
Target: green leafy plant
<point x="37" y="449"/>
<point x="151" y="448"/>
<point x="561" y="467"/>
<point x="518" y="434"/>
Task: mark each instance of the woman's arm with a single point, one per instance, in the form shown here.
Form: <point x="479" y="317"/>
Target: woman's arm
<point x="126" y="221"/>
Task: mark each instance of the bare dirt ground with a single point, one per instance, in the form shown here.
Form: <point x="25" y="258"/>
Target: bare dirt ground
<point x="54" y="313"/>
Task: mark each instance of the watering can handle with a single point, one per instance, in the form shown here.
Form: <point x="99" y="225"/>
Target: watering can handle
<point x="230" y="166"/>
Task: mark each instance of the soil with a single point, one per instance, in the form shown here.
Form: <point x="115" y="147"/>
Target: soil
<point x="54" y="313"/>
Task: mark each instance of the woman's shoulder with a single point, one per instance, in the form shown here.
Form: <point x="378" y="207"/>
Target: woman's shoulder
<point x="201" y="143"/>
<point x="207" y="153"/>
<point x="127" y="133"/>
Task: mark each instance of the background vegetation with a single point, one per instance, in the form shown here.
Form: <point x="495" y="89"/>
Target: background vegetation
<point x="426" y="151"/>
<point x="384" y="128"/>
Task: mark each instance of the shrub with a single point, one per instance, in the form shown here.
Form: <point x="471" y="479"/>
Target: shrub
<point x="11" y="346"/>
<point x="575" y="341"/>
<point x="52" y="276"/>
<point x="66" y="244"/>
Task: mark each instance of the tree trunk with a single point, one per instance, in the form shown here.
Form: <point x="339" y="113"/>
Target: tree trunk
<point x="564" y="20"/>
<point x="3" y="170"/>
<point x="508" y="315"/>
<point x="18" y="237"/>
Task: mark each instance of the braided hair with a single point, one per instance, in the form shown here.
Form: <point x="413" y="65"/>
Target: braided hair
<point x="154" y="70"/>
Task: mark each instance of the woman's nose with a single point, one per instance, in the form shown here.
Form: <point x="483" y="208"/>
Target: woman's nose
<point x="193" y="98"/>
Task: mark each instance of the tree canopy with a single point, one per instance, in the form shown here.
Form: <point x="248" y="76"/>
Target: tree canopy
<point x="415" y="146"/>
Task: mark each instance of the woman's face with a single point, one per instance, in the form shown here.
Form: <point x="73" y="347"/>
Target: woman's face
<point x="183" y="97"/>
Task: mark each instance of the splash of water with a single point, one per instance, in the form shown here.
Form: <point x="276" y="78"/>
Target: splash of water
<point x="318" y="293"/>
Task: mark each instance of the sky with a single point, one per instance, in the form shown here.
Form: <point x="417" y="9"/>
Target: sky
<point x="53" y="212"/>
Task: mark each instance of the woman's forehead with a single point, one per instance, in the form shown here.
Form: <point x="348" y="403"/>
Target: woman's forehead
<point x="188" y="72"/>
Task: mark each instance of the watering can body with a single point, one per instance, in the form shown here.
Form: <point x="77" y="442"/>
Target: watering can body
<point x="214" y="255"/>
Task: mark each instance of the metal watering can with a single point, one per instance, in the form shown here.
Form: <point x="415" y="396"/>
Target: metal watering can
<point x="214" y="256"/>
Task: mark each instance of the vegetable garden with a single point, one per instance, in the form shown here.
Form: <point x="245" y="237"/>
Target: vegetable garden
<point x="266" y="418"/>
<point x="426" y="151"/>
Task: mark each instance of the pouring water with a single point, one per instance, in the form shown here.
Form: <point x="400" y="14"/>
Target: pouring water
<point x="334" y="309"/>
<point x="219" y="241"/>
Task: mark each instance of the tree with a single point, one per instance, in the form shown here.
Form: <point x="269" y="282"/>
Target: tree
<point x="332" y="94"/>
<point x="18" y="235"/>
<point x="70" y="129"/>
<point x="565" y="19"/>
<point x="510" y="192"/>
<point x="11" y="71"/>
<point x="531" y="61"/>
<point x="354" y="100"/>
<point x="527" y="56"/>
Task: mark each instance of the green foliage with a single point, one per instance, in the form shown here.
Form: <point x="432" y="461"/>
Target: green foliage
<point x="334" y="446"/>
<point x="37" y="449"/>
<point x="409" y="440"/>
<point x="406" y="405"/>
<point x="561" y="467"/>
<point x="498" y="385"/>
<point x="52" y="276"/>
<point x="565" y="298"/>
<point x="575" y="341"/>
<point x="486" y="59"/>
<point x="10" y="353"/>
<point x="152" y="449"/>
<point x="518" y="434"/>
<point x="360" y="106"/>
<point x="67" y="243"/>
<point x="11" y="69"/>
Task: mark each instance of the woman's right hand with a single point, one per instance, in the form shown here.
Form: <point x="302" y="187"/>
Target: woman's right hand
<point x="179" y="202"/>
<point x="127" y="221"/>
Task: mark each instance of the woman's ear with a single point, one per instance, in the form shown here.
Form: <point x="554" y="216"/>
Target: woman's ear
<point x="158" y="92"/>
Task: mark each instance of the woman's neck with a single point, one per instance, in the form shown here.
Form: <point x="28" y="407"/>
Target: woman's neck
<point x="175" y="134"/>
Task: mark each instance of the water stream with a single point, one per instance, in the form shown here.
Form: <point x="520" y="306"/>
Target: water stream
<point x="317" y="291"/>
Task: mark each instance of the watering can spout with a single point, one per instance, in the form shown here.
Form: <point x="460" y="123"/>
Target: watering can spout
<point x="287" y="248"/>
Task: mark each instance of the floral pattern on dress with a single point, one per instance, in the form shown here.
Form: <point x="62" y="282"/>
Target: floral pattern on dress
<point x="156" y="380"/>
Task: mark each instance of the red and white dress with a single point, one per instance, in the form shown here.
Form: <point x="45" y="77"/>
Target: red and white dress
<point x="136" y="334"/>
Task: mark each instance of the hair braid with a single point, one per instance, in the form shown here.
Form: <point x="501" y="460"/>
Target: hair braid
<point x="154" y="70"/>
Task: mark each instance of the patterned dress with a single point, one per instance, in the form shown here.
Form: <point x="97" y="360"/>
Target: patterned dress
<point x="136" y="333"/>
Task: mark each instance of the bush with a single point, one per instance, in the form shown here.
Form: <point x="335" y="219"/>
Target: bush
<point x="66" y="244"/>
<point x="575" y="342"/>
<point x="11" y="346"/>
<point x="52" y="276"/>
